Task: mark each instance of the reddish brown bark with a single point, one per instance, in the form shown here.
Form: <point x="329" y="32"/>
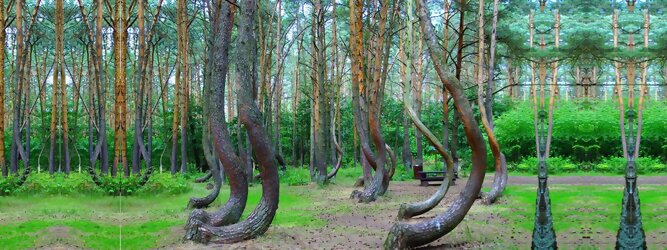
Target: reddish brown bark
<point x="223" y="148"/>
<point x="260" y="219"/>
<point x="404" y="235"/>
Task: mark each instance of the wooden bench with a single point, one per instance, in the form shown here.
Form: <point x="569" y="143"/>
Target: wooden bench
<point x="426" y="176"/>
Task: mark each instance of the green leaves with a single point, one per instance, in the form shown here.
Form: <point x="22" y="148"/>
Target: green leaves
<point x="585" y="131"/>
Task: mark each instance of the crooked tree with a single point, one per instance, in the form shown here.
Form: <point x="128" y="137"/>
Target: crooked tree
<point x="405" y="234"/>
<point x="260" y="219"/>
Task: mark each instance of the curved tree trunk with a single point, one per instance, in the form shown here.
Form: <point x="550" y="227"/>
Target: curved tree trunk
<point x="392" y="157"/>
<point x="407" y="211"/>
<point x="403" y="235"/>
<point x="260" y="219"/>
<point x="204" y="178"/>
<point x="224" y="150"/>
<point x="339" y="150"/>
<point x="500" y="176"/>
<point x="380" y="180"/>
<point x="207" y="200"/>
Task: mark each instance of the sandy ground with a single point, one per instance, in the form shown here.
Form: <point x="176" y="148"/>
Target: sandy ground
<point x="365" y="226"/>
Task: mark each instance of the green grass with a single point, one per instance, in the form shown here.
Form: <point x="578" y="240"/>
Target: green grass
<point x="154" y="221"/>
<point x="143" y="221"/>
<point x="595" y="207"/>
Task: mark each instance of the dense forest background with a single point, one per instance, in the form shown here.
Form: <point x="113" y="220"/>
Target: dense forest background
<point x="116" y="86"/>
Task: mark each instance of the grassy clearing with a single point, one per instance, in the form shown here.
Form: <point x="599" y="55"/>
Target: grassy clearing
<point x="593" y="208"/>
<point x="144" y="221"/>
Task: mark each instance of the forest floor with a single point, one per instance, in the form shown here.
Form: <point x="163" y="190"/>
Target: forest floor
<point x="585" y="210"/>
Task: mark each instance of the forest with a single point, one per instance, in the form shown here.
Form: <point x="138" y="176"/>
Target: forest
<point x="333" y="124"/>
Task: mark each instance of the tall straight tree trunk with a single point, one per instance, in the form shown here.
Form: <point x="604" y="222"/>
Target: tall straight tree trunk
<point x="3" y="38"/>
<point x="96" y="123"/>
<point x="17" y="146"/>
<point x="319" y="94"/>
<point x="459" y="66"/>
<point x="101" y="93"/>
<point x="296" y="93"/>
<point x="120" y="89"/>
<point x="185" y="85"/>
<point x="63" y="104"/>
<point x="55" y="88"/>
<point x="277" y="81"/>
<point x="418" y="87"/>
<point x="178" y="88"/>
<point x="445" y="94"/>
<point x="140" y="92"/>
<point x="22" y="106"/>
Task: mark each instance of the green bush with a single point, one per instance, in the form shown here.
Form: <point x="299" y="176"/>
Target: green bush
<point x="165" y="183"/>
<point x="647" y="165"/>
<point x="554" y="164"/>
<point x="44" y="183"/>
<point x="527" y="165"/>
<point x="295" y="176"/>
<point x="79" y="183"/>
<point x="119" y="185"/>
<point x="611" y="165"/>
<point x="7" y="185"/>
<point x="157" y="183"/>
<point x="350" y="171"/>
<point x="614" y="165"/>
<point x="585" y="131"/>
<point x="402" y="174"/>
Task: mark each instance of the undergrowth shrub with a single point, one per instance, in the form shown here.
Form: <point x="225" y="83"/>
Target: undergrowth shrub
<point x="7" y="185"/>
<point x="350" y="171"/>
<point x="165" y="183"/>
<point x="402" y="174"/>
<point x="295" y="176"/>
<point x="610" y="165"/>
<point x="81" y="183"/>
<point x="157" y="183"/>
<point x="44" y="183"/>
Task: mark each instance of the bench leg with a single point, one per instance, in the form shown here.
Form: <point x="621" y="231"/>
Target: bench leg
<point x="423" y="183"/>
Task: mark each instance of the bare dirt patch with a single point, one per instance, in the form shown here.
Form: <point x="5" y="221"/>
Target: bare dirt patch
<point x="351" y="225"/>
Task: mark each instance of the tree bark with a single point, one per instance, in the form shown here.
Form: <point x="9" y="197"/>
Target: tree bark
<point x="3" y="38"/>
<point x="56" y="86"/>
<point x="120" y="88"/>
<point x="260" y="219"/>
<point x="459" y="66"/>
<point x="319" y="93"/>
<point x="403" y="235"/>
<point x="410" y="210"/>
<point x="380" y="180"/>
<point x="484" y="104"/>
<point x="297" y="90"/>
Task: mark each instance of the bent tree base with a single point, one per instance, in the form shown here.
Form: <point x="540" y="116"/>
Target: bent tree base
<point x="631" y="233"/>
<point x="205" y="201"/>
<point x="499" y="183"/>
<point x="544" y="236"/>
<point x="404" y="234"/>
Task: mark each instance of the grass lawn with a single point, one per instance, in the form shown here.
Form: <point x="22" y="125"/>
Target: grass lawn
<point x="142" y="221"/>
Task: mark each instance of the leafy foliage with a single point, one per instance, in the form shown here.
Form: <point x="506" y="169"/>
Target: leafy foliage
<point x="584" y="131"/>
<point x="43" y="183"/>
<point x="611" y="165"/>
<point x="165" y="183"/>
